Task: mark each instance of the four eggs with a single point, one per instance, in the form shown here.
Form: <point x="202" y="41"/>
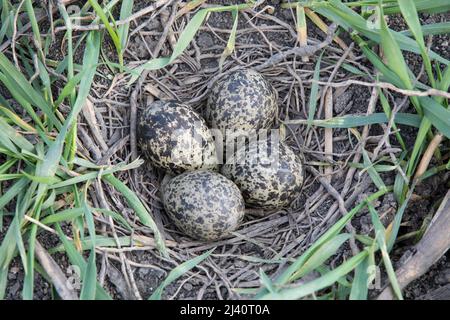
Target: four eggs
<point x="206" y="199"/>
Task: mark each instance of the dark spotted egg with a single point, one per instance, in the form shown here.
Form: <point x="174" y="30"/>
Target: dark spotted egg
<point x="243" y="101"/>
<point x="269" y="174"/>
<point x="175" y="138"/>
<point x="203" y="204"/>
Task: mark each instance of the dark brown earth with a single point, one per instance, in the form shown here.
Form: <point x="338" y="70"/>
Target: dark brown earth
<point x="354" y="101"/>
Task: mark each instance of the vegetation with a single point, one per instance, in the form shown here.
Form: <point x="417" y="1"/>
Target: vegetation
<point x="45" y="180"/>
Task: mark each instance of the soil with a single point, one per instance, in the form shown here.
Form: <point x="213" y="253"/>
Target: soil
<point x="196" y="285"/>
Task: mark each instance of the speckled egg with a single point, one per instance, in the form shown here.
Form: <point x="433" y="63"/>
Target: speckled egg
<point x="175" y="138"/>
<point x="269" y="174"/>
<point x="203" y="204"/>
<point x="243" y="101"/>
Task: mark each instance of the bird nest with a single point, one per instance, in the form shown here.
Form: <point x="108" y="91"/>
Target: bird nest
<point x="322" y="78"/>
<point x="265" y="42"/>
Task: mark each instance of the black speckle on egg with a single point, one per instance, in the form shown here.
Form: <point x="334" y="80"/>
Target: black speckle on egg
<point x="243" y="100"/>
<point x="203" y="204"/>
<point x="175" y="138"/>
<point x="267" y="186"/>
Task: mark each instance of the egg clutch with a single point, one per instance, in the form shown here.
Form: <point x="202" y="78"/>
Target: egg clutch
<point x="205" y="198"/>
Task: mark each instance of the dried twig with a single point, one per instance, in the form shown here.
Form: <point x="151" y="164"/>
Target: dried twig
<point x="329" y="132"/>
<point x="428" y="154"/>
<point x="126" y="269"/>
<point x="133" y="114"/>
<point x="167" y="20"/>
<point x="55" y="273"/>
<point x="298" y="51"/>
<point x="319" y="22"/>
<point x="118" y="280"/>
<point x="302" y="31"/>
<point x="335" y="194"/>
<point x="386" y="85"/>
<point x="27" y="26"/>
<point x="430" y="248"/>
<point x="441" y="293"/>
<point x="89" y="114"/>
<point x="14" y="35"/>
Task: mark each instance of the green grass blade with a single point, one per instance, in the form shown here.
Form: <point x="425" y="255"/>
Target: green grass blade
<point x="89" y="218"/>
<point x="392" y="52"/>
<point x="8" y="248"/>
<point x="378" y="167"/>
<point x="352" y="121"/>
<point x="322" y="254"/>
<point x="332" y="232"/>
<point x="431" y="29"/>
<point x="265" y="281"/>
<point x="96" y="174"/>
<point x="231" y="40"/>
<point x="90" y="61"/>
<point x="185" y="38"/>
<point x="3" y="282"/>
<point x="90" y="279"/>
<point x="374" y="175"/>
<point x="17" y="95"/>
<point x="388" y="74"/>
<point x="50" y="201"/>
<point x="6" y="23"/>
<point x="45" y="80"/>
<point x="65" y="215"/>
<point x="40" y="179"/>
<point x="100" y="241"/>
<point x="20" y="244"/>
<point x="380" y="237"/>
<point x="117" y="217"/>
<point x="125" y="11"/>
<point x="28" y="283"/>
<point x="69" y="88"/>
<point x="400" y="181"/>
<point x="13" y="191"/>
<point x="353" y="69"/>
<point x="419" y="144"/>
<point x="360" y="287"/>
<point x="26" y="90"/>
<point x="178" y="272"/>
<point x="427" y="6"/>
<point x="34" y="23"/>
<point x="437" y="115"/>
<point x="5" y="142"/>
<point x="7" y="165"/>
<point x="444" y="83"/>
<point x="73" y="213"/>
<point x="112" y="32"/>
<point x="15" y="136"/>
<point x="77" y="259"/>
<point x="312" y="106"/>
<point x="392" y="236"/>
<point x="10" y="176"/>
<point x="349" y="19"/>
<point x="90" y="58"/>
<point x="142" y="213"/>
<point x="17" y="120"/>
<point x="320" y="283"/>
<point x="409" y="12"/>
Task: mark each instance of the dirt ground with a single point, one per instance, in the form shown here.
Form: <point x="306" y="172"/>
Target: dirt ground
<point x="283" y="234"/>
